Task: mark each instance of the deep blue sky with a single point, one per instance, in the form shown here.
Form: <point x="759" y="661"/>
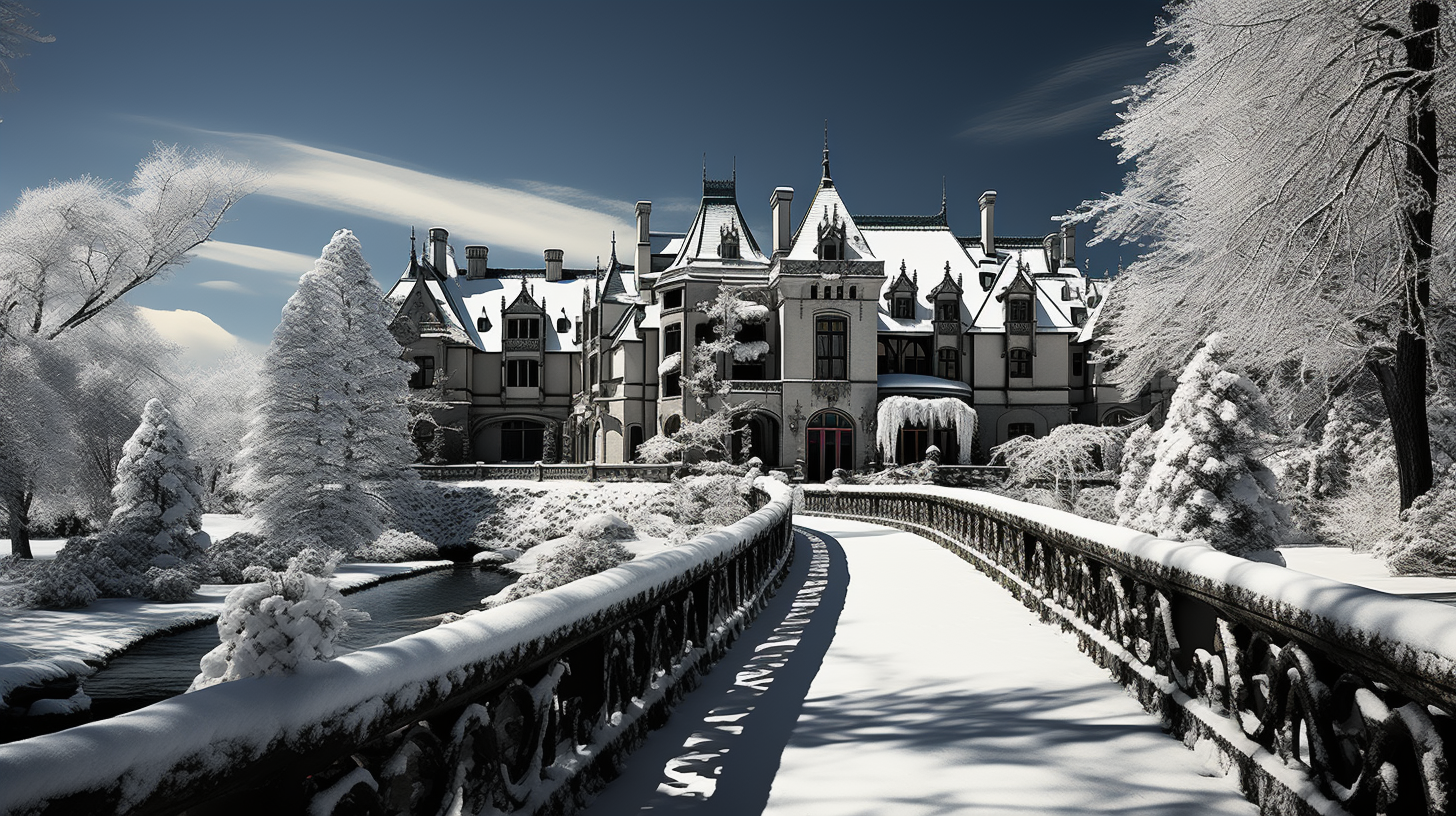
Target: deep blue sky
<point x="523" y="126"/>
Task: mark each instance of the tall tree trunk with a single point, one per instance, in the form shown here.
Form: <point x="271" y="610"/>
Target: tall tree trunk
<point x="17" y="508"/>
<point x="1403" y="376"/>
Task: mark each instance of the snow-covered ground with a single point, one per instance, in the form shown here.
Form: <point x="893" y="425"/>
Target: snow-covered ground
<point x="1366" y="570"/>
<point x="889" y="676"/>
<point x="38" y="645"/>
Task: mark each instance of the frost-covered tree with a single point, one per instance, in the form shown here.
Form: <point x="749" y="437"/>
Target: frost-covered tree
<point x="1138" y="455"/>
<point x="15" y="36"/>
<point x="708" y="437"/>
<point x="330" y="434"/>
<point x="68" y="253"/>
<point x="158" y="495"/>
<point x="216" y="406"/>
<point x="1063" y="459"/>
<point x="897" y="412"/>
<point x="278" y="624"/>
<point x="1207" y="480"/>
<point x="594" y="545"/>
<point x="1329" y="229"/>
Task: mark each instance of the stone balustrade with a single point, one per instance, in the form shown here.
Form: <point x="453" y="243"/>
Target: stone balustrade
<point x="520" y="708"/>
<point x="581" y="472"/>
<point x="1317" y="696"/>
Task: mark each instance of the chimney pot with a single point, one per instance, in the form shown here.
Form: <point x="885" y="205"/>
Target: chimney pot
<point x="988" y="223"/>
<point x="439" y="249"/>
<point x="783" y="231"/>
<point x="553" y="264"/>
<point x="475" y="262"/>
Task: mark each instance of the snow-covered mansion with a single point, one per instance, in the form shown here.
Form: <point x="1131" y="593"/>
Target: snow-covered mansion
<point x="574" y="364"/>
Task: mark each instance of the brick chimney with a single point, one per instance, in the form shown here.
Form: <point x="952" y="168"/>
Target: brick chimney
<point x="1069" y="245"/>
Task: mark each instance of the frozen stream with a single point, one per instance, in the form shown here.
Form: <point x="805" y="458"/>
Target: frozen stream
<point x="165" y="665"/>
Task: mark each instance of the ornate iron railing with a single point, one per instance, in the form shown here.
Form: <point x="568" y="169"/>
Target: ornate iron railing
<point x="583" y="472"/>
<point x="521" y="708"/>
<point x="1314" y="693"/>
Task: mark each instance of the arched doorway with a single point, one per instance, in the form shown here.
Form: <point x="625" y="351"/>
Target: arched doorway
<point x="830" y="445"/>
<point x="763" y="439"/>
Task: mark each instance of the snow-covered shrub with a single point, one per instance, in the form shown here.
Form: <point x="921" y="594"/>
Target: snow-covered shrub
<point x="1208" y="480"/>
<point x="275" y="626"/>
<point x="226" y="560"/>
<point x="394" y="546"/>
<point x="1063" y="459"/>
<point x="1096" y="503"/>
<point x="57" y="585"/>
<point x="172" y="585"/>
<point x="594" y="546"/>
<point x="1425" y="542"/>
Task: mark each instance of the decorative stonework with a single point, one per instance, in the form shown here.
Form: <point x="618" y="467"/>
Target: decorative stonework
<point x="831" y="391"/>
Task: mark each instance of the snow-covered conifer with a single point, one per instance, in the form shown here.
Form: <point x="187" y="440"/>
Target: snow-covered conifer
<point x="331" y="430"/>
<point x="1207" y="480"/>
<point x="158" y="495"/>
<point x="1138" y="455"/>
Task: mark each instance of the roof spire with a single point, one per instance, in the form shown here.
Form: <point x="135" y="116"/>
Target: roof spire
<point x="735" y="171"/>
<point x="614" y="247"/>
<point x="412" y="241"/>
<point x="942" y="195"/>
<point x="826" y="177"/>
<point x="705" y="167"/>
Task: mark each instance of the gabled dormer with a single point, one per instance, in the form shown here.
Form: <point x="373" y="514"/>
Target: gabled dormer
<point x="728" y="242"/>
<point x="945" y="301"/>
<point x="901" y="294"/>
<point x="830" y="235"/>
<point x="523" y="321"/>
<point x="1018" y="301"/>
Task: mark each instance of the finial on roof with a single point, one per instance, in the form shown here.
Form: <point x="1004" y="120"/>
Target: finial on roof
<point x="826" y="151"/>
<point x="705" y="167"/>
<point x="614" y="246"/>
<point x="412" y="241"/>
<point x="942" y="195"/>
<point x="735" y="170"/>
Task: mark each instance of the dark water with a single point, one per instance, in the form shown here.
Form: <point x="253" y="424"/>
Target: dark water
<point x="165" y="665"/>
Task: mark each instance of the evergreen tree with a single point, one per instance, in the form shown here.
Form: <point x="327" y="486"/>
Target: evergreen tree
<point x="331" y="430"/>
<point x="158" y="493"/>
<point x="1137" y="459"/>
<point x="1207" y="480"/>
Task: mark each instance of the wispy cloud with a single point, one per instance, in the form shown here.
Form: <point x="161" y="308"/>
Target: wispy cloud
<point x="254" y="257"/>
<point x="226" y="286"/>
<point x="527" y="220"/>
<point x="1077" y="94"/>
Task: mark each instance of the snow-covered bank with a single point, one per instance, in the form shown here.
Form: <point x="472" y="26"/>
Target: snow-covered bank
<point x="221" y="729"/>
<point x="39" y="645"/>
<point x="1364" y="569"/>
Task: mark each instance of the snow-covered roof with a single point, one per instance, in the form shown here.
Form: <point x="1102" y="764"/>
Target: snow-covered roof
<point x="466" y="300"/>
<point x="924" y="251"/>
<point x="826" y="210"/>
<point x="699" y="248"/>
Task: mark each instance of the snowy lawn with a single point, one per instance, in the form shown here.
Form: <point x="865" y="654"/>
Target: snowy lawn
<point x="38" y="645"/>
<point x="889" y="676"/>
<point x="1366" y="570"/>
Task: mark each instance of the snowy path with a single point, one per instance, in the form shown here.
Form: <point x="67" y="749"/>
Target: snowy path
<point x="889" y="676"/>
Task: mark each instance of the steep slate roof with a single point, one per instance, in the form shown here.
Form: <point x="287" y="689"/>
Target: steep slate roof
<point x="828" y="208"/>
<point x="699" y="248"/>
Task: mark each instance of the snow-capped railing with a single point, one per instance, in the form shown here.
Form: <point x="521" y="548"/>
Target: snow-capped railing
<point x="583" y="472"/>
<point x="1315" y="693"/>
<point x="517" y="709"/>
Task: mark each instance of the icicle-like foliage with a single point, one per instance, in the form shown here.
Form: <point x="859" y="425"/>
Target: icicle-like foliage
<point x="897" y="412"/>
<point x="1062" y="459"/>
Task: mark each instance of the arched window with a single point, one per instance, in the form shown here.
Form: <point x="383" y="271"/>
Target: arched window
<point x="1018" y="363"/>
<point x="672" y="425"/>
<point x="634" y="441"/>
<point x="917" y="358"/>
<point x="829" y="445"/>
<point x="831" y="348"/>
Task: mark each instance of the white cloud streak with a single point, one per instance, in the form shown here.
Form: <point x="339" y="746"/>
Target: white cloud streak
<point x="525" y="220"/>
<point x="203" y="341"/>
<point x="226" y="286"/>
<point x="292" y="264"/>
<point x="1070" y="98"/>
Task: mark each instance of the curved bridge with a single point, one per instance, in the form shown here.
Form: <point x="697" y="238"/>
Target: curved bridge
<point x="1315" y="696"/>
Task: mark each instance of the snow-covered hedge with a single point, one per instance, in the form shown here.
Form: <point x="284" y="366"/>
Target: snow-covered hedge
<point x="202" y="737"/>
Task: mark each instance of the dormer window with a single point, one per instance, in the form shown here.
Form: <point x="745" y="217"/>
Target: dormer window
<point x="903" y="307"/>
<point x="831" y="236"/>
<point x="482" y="323"/>
<point x="947" y="310"/>
<point x="522" y="328"/>
<point x="728" y="242"/>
